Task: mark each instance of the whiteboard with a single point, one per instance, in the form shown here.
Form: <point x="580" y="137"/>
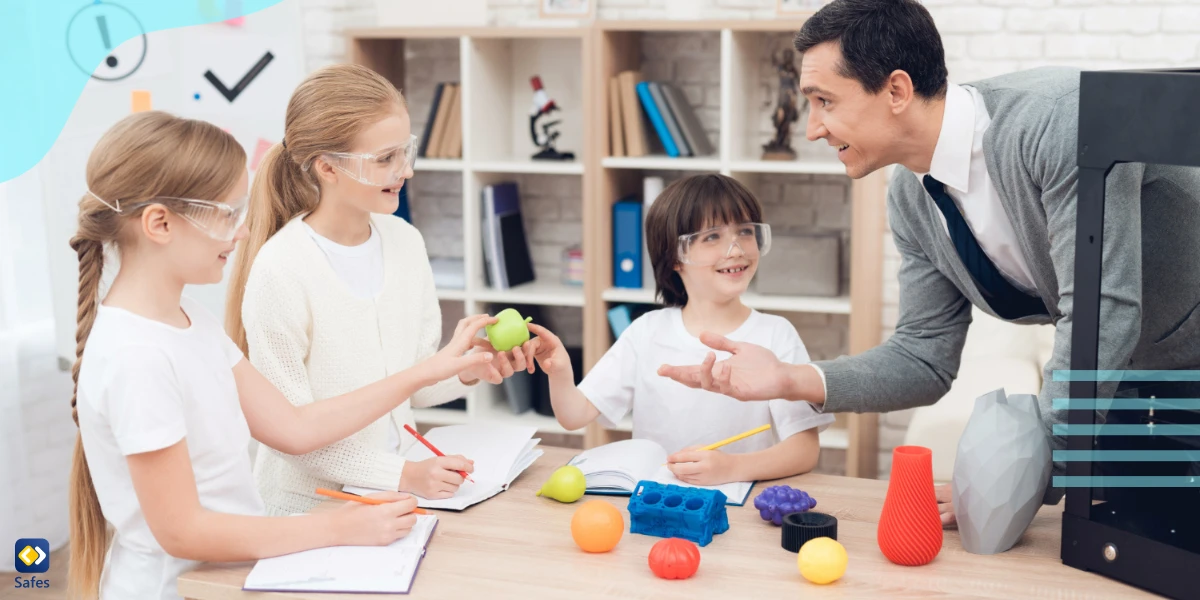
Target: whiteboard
<point x="174" y="73"/>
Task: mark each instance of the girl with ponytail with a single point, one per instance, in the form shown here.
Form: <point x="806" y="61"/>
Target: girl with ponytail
<point x="330" y="292"/>
<point x="166" y="403"/>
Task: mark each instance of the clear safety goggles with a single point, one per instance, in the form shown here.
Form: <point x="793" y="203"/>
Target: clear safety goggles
<point x="381" y="169"/>
<point x="218" y="220"/>
<point x="711" y="246"/>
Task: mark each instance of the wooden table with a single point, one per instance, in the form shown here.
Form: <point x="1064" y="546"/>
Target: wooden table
<point x="519" y="545"/>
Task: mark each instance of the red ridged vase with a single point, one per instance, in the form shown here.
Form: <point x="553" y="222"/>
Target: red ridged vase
<point x="910" y="528"/>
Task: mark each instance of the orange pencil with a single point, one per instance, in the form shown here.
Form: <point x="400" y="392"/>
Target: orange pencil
<point x="435" y="451"/>
<point x="363" y="499"/>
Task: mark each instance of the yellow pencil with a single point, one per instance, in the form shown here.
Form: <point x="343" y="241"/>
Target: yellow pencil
<point x="740" y="436"/>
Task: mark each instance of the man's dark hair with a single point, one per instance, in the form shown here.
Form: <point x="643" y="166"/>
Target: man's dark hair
<point x="878" y="37"/>
<point x="686" y="206"/>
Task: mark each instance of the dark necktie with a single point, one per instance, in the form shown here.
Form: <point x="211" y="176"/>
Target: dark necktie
<point x="1008" y="301"/>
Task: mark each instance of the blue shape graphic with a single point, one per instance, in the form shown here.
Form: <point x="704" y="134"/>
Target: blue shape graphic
<point x="1127" y="455"/>
<point x="52" y="47"/>
<point x="1119" y="376"/>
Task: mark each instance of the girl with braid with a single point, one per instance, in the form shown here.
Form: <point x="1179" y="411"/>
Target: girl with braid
<point x="166" y="403"/>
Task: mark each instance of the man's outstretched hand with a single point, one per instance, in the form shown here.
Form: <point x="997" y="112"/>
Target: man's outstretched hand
<point x="751" y="373"/>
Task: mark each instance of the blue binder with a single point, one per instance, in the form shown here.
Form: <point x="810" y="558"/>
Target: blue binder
<point x="627" y="244"/>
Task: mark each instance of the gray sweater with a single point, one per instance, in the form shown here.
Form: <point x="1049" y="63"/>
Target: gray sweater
<point x="1150" y="285"/>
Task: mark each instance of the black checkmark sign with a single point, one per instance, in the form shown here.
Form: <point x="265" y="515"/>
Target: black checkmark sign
<point x="237" y="90"/>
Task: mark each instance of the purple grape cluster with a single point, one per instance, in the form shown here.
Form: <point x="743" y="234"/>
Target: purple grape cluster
<point x="779" y="500"/>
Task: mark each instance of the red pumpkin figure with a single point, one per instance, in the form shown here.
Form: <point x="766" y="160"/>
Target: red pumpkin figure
<point x="674" y="558"/>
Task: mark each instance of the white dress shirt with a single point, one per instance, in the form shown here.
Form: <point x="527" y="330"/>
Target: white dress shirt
<point x="958" y="163"/>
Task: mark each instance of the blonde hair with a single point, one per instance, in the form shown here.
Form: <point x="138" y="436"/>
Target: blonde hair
<point x="145" y="155"/>
<point x="326" y="112"/>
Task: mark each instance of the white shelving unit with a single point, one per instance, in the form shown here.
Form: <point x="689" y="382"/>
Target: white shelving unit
<point x="839" y="305"/>
<point x="437" y="164"/>
<point x="544" y="167"/>
<point x="495" y="67"/>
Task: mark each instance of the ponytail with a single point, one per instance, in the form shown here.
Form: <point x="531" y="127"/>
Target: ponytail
<point x="326" y="112"/>
<point x="281" y="191"/>
<point x="89" y="532"/>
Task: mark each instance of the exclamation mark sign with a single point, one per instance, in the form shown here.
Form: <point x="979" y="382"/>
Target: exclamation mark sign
<point x="102" y="23"/>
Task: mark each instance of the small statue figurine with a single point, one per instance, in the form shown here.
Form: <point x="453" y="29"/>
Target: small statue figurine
<point x="786" y="112"/>
<point x="542" y="106"/>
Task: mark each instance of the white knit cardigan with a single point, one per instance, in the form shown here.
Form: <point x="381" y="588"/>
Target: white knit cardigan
<point x="312" y="338"/>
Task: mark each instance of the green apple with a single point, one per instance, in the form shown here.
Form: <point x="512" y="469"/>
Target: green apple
<point x="509" y="331"/>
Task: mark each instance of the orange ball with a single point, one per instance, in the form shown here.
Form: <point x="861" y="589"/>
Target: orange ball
<point x="597" y="526"/>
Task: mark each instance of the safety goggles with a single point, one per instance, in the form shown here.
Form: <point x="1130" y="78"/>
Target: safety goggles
<point x="381" y="169"/>
<point x="218" y="220"/>
<point x="711" y="246"/>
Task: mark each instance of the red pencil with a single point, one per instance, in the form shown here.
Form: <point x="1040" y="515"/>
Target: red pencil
<point x="435" y="451"/>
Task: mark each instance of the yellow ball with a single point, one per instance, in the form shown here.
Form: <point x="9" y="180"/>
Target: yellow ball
<point x="822" y="560"/>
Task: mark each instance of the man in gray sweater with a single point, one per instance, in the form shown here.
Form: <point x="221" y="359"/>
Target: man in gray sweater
<point x="982" y="209"/>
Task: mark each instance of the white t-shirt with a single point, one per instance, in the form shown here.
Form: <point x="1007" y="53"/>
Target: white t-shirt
<point x="360" y="267"/>
<point x="676" y="416"/>
<point x="144" y="386"/>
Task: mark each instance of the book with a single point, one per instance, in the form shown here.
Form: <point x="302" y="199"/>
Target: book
<point x="360" y="569"/>
<point x="669" y="118"/>
<point x="438" y="136"/>
<point x="452" y="138"/>
<point x="685" y="117"/>
<point x="501" y="453"/>
<point x="656" y="119"/>
<point x="631" y="113"/>
<point x="426" y="133"/>
<point x="506" y="252"/>
<point x="615" y="124"/>
<point x="615" y="470"/>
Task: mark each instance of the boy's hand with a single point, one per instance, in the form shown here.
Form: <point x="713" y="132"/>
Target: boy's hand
<point x="502" y="366"/>
<point x="549" y="352"/>
<point x="702" y="467"/>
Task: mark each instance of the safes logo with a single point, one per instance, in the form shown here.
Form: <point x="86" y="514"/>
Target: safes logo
<point x="31" y="555"/>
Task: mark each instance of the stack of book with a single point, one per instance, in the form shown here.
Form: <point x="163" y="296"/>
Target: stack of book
<point x="442" y="137"/>
<point x="506" y="257"/>
<point x="633" y="103"/>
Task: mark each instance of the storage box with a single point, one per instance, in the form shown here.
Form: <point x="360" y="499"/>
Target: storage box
<point x="801" y="265"/>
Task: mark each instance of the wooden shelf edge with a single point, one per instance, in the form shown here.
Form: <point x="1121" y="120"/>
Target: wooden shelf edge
<point x="389" y="33"/>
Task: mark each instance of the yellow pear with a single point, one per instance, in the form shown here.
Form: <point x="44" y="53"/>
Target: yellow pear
<point x="565" y="485"/>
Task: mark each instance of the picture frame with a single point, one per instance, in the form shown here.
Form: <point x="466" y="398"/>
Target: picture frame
<point x="566" y="9"/>
<point x="798" y="8"/>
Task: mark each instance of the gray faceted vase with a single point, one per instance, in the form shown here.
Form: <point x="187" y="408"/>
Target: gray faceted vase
<point x="1001" y="471"/>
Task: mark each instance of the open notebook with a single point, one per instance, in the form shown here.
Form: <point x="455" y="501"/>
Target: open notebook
<point x="616" y="468"/>
<point x="379" y="569"/>
<point x="500" y="452"/>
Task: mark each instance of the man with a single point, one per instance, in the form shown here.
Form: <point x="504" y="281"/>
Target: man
<point x="982" y="209"/>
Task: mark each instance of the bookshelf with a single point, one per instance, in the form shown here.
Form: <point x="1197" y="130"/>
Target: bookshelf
<point x="493" y="66"/>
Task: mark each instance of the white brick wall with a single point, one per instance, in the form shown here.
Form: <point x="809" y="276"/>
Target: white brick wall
<point x="982" y="38"/>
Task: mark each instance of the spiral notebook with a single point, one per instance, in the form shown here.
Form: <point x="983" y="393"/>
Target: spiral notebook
<point x="358" y="569"/>
<point x="615" y="470"/>
<point x="501" y="453"/>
